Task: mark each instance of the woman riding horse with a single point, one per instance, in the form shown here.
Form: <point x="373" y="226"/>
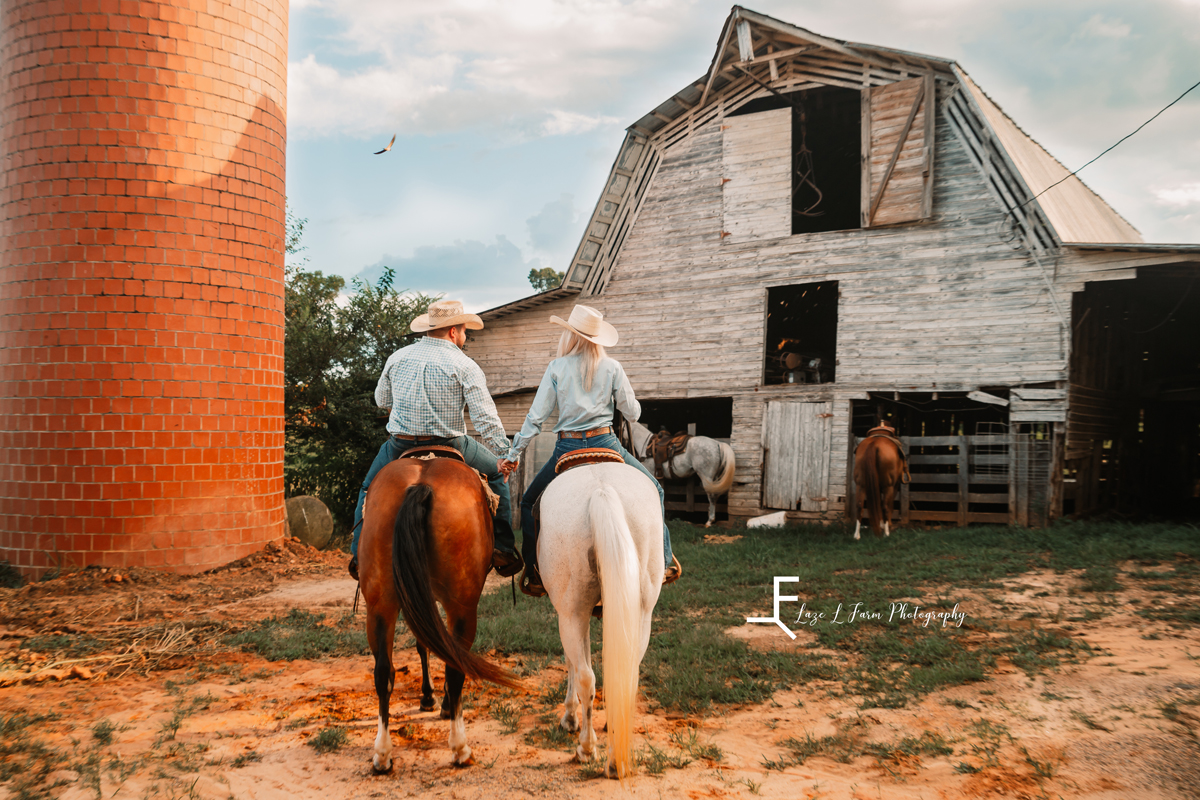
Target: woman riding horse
<point x="585" y="384"/>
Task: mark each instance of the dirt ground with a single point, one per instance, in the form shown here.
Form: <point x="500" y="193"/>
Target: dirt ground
<point x="1119" y="724"/>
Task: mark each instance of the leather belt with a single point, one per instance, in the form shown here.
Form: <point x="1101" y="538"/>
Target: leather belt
<point x="414" y="439"/>
<point x="585" y="434"/>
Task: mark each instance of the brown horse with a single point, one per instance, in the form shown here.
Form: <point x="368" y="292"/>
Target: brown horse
<point x="427" y="539"/>
<point x="878" y="470"/>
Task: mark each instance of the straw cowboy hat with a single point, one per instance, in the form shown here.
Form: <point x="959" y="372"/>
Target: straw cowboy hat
<point x="443" y="314"/>
<point x="589" y="323"/>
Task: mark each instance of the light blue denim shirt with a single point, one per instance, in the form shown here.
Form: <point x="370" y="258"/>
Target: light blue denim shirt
<point x="578" y="410"/>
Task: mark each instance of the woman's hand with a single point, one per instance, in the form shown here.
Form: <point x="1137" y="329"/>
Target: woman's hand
<point x="506" y="467"/>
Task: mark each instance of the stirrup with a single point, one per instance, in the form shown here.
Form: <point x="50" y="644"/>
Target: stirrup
<point x="672" y="573"/>
<point x="506" y="564"/>
<point x="532" y="586"/>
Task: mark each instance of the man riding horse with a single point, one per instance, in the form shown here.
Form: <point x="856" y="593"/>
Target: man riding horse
<point x="426" y="385"/>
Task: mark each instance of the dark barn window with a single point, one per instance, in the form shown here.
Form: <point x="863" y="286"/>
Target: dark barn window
<point x="826" y="156"/>
<point x="801" y="340"/>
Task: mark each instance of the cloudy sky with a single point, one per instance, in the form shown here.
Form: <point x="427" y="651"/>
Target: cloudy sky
<point x="508" y="115"/>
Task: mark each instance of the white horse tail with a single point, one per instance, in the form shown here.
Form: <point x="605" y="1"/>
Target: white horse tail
<point x="620" y="590"/>
<point x="720" y="484"/>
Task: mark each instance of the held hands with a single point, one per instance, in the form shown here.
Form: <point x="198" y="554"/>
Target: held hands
<point x="506" y="467"/>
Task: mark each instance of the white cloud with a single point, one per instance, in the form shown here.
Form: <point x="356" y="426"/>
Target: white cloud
<point x="430" y="68"/>
<point x="1185" y="195"/>
<point x="566" y="122"/>
<point x="1103" y="28"/>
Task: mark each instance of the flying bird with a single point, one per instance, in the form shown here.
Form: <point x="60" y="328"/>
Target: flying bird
<point x="389" y="147"/>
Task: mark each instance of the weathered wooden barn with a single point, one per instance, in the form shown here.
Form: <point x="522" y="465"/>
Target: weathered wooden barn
<point x="819" y="234"/>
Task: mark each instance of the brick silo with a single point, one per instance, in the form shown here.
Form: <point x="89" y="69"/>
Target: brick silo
<point x="141" y="281"/>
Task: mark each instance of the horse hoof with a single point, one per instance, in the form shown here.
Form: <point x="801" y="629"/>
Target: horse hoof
<point x="610" y="771"/>
<point x="378" y="770"/>
<point x="446" y="712"/>
<point x="569" y="724"/>
<point x="427" y="704"/>
<point x="463" y="758"/>
<point x="583" y="756"/>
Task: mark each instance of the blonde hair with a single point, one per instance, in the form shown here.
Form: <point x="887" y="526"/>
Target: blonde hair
<point x="590" y="353"/>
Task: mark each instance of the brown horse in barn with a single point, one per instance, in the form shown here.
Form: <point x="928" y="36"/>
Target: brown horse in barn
<point x="879" y="467"/>
<point x="427" y="539"/>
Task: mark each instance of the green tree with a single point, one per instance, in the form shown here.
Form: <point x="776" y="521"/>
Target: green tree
<point x="334" y="351"/>
<point x="545" y="279"/>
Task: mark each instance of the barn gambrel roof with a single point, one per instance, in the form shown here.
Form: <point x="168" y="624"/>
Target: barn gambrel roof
<point x="754" y="50"/>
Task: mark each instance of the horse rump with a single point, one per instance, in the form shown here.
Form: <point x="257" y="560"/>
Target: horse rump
<point x="410" y="572"/>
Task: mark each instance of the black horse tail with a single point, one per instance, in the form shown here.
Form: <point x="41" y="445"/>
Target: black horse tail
<point x="874" y="500"/>
<point x="411" y="575"/>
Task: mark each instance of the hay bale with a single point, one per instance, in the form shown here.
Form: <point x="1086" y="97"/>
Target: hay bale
<point x="309" y="521"/>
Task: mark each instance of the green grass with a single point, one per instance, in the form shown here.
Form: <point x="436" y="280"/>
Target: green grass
<point x="65" y="645"/>
<point x="549" y="735"/>
<point x="26" y="759"/>
<point x="302" y="634"/>
<point x="329" y="740"/>
<point x="693" y="666"/>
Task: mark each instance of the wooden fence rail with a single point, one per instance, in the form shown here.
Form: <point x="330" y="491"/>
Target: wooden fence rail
<point x="967" y="466"/>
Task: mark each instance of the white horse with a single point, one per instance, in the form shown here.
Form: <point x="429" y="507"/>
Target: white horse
<point x="601" y="538"/>
<point x="707" y="458"/>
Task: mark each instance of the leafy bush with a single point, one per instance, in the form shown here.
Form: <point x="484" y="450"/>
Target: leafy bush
<point x="333" y="355"/>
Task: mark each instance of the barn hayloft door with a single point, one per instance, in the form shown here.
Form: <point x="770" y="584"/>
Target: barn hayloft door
<point x="796" y="443"/>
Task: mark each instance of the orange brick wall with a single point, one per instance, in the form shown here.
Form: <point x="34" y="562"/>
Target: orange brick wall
<point x="141" y="281"/>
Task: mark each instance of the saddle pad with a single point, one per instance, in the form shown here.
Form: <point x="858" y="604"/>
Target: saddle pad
<point x="587" y="455"/>
<point x="427" y="451"/>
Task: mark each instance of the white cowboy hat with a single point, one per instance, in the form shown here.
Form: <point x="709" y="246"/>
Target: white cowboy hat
<point x="589" y="323"/>
<point x="443" y="314"/>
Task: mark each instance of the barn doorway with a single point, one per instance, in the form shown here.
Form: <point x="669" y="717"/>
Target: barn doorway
<point x="826" y="155"/>
<point x="699" y="416"/>
<point x="1133" y="434"/>
<point x="968" y="462"/>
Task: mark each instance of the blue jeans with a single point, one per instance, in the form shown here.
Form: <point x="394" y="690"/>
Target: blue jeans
<point x="546" y="474"/>
<point x="477" y="456"/>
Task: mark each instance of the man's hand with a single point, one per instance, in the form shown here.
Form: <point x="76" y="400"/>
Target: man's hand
<point x="506" y="467"/>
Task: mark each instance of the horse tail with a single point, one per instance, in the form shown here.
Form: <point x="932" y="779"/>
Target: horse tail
<point x="620" y="590"/>
<point x="410" y="558"/>
<point x="720" y="484"/>
<point x="874" y="500"/>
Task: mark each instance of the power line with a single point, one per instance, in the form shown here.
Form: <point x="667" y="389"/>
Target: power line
<point x="1097" y="158"/>
<point x="1013" y="212"/>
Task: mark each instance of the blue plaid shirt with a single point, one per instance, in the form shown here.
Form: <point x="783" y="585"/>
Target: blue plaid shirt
<point x="426" y="386"/>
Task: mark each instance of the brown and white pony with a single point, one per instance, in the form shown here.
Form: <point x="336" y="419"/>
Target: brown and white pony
<point x="427" y="539"/>
<point x="878" y="470"/>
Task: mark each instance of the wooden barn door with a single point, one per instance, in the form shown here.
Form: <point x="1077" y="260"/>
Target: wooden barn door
<point x="898" y="140"/>
<point x="796" y="442"/>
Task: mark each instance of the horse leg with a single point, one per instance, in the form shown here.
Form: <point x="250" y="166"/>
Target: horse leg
<point x="577" y="646"/>
<point x="569" y="720"/>
<point x="452" y="703"/>
<point x="426" y="686"/>
<point x="381" y="631"/>
<point x="712" y="512"/>
<point x="889" y="497"/>
<point x="856" y="510"/>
